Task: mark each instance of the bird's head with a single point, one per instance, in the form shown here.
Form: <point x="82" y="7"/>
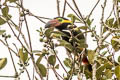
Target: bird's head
<point x="59" y="22"/>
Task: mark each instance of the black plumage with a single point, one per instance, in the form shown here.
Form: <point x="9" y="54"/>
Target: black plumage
<point x="62" y="26"/>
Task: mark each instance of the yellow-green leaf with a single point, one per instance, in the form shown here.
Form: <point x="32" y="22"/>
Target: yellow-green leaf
<point x="52" y="60"/>
<point x="68" y="62"/>
<point x="119" y="59"/>
<point x="83" y="27"/>
<point x="39" y="59"/>
<point x="89" y="22"/>
<point x="102" y="68"/>
<point x="73" y="18"/>
<point x="2" y="31"/>
<point x="23" y="54"/>
<point x="109" y="22"/>
<point x="3" y="62"/>
<point x="66" y="45"/>
<point x="5" y="11"/>
<point x="48" y="32"/>
<point x="42" y="69"/>
<point x="12" y="1"/>
<point x="108" y="74"/>
<point x="57" y="66"/>
<point x="91" y="55"/>
<point x="115" y="42"/>
<point x="58" y="34"/>
<point x="2" y="21"/>
<point x="117" y="71"/>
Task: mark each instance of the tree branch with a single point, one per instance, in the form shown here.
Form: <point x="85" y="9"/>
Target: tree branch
<point x="58" y="7"/>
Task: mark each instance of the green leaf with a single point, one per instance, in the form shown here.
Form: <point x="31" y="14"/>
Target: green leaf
<point x="23" y="55"/>
<point x="115" y="25"/>
<point x="52" y="60"/>
<point x="8" y="17"/>
<point x="39" y="59"/>
<point x="3" y="62"/>
<point x="5" y="11"/>
<point x="83" y="27"/>
<point x="88" y="74"/>
<point x="109" y="22"/>
<point x="57" y="66"/>
<point x="89" y="22"/>
<point x="58" y="34"/>
<point x="91" y="55"/>
<point x="48" y="32"/>
<point x="118" y="0"/>
<point x="73" y="18"/>
<point x="68" y="62"/>
<point x="82" y="45"/>
<point x="105" y="29"/>
<point x="119" y="59"/>
<point x="115" y="42"/>
<point x="12" y="1"/>
<point x="108" y="74"/>
<point x="42" y="69"/>
<point x="2" y="31"/>
<point x="117" y="71"/>
<point x="66" y="45"/>
<point x="2" y="21"/>
<point x="102" y="68"/>
<point x="103" y="46"/>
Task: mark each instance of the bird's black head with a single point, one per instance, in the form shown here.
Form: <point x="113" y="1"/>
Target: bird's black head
<point x="59" y="22"/>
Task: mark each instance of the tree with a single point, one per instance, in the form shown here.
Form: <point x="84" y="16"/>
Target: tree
<point x="105" y="35"/>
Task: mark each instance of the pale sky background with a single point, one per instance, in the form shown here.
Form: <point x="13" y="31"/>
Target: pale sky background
<point x="47" y="8"/>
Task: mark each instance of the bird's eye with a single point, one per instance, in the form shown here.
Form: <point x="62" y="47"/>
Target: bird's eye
<point x="60" y="19"/>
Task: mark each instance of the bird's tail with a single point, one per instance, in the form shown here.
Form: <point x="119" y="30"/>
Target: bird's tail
<point x="86" y="62"/>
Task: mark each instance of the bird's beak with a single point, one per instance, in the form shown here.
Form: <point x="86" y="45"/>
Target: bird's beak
<point x="52" y="23"/>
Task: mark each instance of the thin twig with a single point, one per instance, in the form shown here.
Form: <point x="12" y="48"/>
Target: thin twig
<point x="16" y="47"/>
<point x="110" y="12"/>
<point x="93" y="9"/>
<point x="112" y="29"/>
<point x="8" y="47"/>
<point x="31" y="14"/>
<point x="59" y="75"/>
<point x="102" y="18"/>
<point x="39" y="18"/>
<point x="117" y="11"/>
<point x="58" y="58"/>
<point x="106" y="36"/>
<point x="77" y="9"/>
<point x="20" y="32"/>
<point x="55" y="73"/>
<point x="32" y="58"/>
<point x="64" y="8"/>
<point x="28" y="32"/>
<point x="8" y="76"/>
<point x="26" y="71"/>
<point x="16" y="73"/>
<point x="72" y="9"/>
<point x="81" y="17"/>
<point x="58" y="7"/>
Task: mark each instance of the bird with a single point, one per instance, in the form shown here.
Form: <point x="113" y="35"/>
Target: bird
<point x="62" y="24"/>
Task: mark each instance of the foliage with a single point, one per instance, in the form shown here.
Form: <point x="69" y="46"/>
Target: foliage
<point x="45" y="60"/>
